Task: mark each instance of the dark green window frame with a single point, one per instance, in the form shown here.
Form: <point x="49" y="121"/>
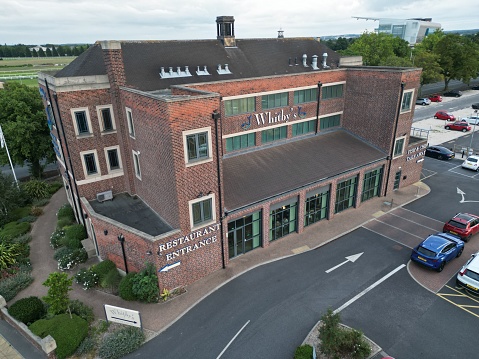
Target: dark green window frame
<point x="239" y="106"/>
<point x="302" y="128"/>
<point x="399" y="146"/>
<point x="406" y="102"/>
<point x="345" y="194"/>
<point x="274" y="100"/>
<point x="333" y="91"/>
<point x="307" y="95"/>
<point x="274" y="134"/>
<point x="244" y="234"/>
<point x="197" y="145"/>
<point x="316" y="208"/>
<point x="330" y="121"/>
<point x="372" y="184"/>
<point x="239" y="142"/>
<point x="282" y="221"/>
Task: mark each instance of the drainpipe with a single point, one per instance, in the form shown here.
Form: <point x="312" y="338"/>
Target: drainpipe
<point x="317" y="106"/>
<point x="217" y="116"/>
<point x="391" y="153"/>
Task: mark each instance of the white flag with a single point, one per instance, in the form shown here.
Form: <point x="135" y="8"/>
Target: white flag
<point x="2" y="139"/>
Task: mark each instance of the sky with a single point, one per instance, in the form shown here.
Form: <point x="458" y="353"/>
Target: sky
<point x="37" y="22"/>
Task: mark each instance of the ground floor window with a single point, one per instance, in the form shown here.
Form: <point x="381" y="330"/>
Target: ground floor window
<point x="397" y="180"/>
<point x="316" y="208"/>
<point x="345" y="194"/>
<point x="282" y="221"/>
<point x="372" y="184"/>
<point x="244" y="234"/>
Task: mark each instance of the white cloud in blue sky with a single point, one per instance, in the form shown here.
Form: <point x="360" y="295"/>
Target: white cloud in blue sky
<point x="85" y="21"/>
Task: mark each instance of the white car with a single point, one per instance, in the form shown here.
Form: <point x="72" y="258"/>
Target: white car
<point x="472" y="163"/>
<point x="468" y="276"/>
<point x="472" y="120"/>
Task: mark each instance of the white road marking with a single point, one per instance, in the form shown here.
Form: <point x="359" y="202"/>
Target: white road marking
<point x="231" y="341"/>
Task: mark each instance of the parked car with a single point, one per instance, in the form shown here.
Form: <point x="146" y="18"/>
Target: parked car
<point x="444" y="115"/>
<point x="423" y="101"/>
<point x="452" y="93"/>
<point x="475" y="106"/>
<point x="439" y="152"/>
<point x="458" y="126"/>
<point x="472" y="120"/>
<point x="475" y="87"/>
<point x="435" y="98"/>
<point x="468" y="276"/>
<point x="436" y="250"/>
<point x="463" y="225"/>
<point x="471" y="163"/>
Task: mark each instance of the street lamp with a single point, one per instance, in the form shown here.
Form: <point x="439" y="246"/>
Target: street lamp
<point x="121" y="238"/>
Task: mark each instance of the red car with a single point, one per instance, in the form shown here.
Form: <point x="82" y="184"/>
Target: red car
<point x="463" y="225"/>
<point x="435" y="98"/>
<point x="444" y="115"/>
<point x="458" y="126"/>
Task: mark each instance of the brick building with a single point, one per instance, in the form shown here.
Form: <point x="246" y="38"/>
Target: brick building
<point x="188" y="154"/>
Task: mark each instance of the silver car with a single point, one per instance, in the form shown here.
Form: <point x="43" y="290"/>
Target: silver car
<point x="468" y="276"/>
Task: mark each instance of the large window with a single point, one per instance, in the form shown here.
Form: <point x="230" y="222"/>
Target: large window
<point x="399" y="146"/>
<point x="330" y="121"/>
<point x="202" y="211"/>
<point x="197" y="146"/>
<point x="372" y="184"/>
<point x="302" y="128"/>
<point x="274" y="134"/>
<point x="345" y="195"/>
<point x="274" y="100"/>
<point x="244" y="234"/>
<point x="239" y="106"/>
<point x="333" y="91"/>
<point x="406" y="102"/>
<point x="316" y="207"/>
<point x="282" y="221"/>
<point x="239" y="142"/>
<point x="136" y="163"/>
<point x="308" y="95"/>
<point x="105" y="116"/>
<point x="90" y="163"/>
<point x="81" y="121"/>
<point x="113" y="160"/>
<point x="129" y="118"/>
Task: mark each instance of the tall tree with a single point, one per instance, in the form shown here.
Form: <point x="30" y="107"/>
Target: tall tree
<point x="58" y="287"/>
<point x="24" y="124"/>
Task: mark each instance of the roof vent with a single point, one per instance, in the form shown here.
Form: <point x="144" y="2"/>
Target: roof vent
<point x="314" y="63"/>
<point x="305" y="57"/>
<point x="178" y="73"/>
<point x="325" y="57"/>
<point x="225" y="30"/>
<point x="203" y="72"/>
<point x="280" y="34"/>
<point x="224" y="71"/>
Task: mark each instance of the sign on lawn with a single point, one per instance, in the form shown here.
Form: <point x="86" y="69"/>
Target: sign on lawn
<point x="123" y="316"/>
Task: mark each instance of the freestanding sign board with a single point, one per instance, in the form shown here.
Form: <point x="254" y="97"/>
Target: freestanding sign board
<point x="122" y="315"/>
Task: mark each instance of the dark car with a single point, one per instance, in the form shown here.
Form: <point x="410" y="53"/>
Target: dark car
<point x="439" y="152"/>
<point x="463" y="225"/>
<point x="444" y="115"/>
<point x="436" y="250"/>
<point x="452" y="93"/>
<point x="458" y="126"/>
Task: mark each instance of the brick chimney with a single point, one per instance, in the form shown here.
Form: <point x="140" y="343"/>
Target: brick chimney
<point x="225" y="30"/>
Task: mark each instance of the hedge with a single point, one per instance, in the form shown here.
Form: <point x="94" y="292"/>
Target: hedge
<point x="102" y="268"/>
<point x="14" y="229"/>
<point x="28" y="310"/>
<point x="120" y="343"/>
<point x="125" y="288"/>
<point x="10" y="286"/>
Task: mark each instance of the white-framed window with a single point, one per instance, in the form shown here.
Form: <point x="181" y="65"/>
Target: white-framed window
<point x="197" y="146"/>
<point x="81" y="121"/>
<point x="136" y="163"/>
<point x="90" y="163"/>
<point x="399" y="146"/>
<point x="113" y="158"/>
<point x="202" y="211"/>
<point x="407" y="100"/>
<point x="106" y="118"/>
<point x="129" y="119"/>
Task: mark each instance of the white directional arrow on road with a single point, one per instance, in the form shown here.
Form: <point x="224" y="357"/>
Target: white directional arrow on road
<point x="462" y="196"/>
<point x="352" y="258"/>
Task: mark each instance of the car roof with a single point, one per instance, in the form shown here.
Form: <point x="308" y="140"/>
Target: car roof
<point x="472" y="156"/>
<point x="464" y="217"/>
<point x="474" y="264"/>
<point x="436" y="242"/>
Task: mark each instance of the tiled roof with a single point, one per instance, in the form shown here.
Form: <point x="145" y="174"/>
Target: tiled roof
<point x="250" y="58"/>
<point x="260" y="175"/>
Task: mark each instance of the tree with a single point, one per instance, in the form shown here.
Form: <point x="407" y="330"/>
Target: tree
<point x="24" y="124"/>
<point x="11" y="197"/>
<point x="41" y="53"/>
<point x="49" y="52"/>
<point x="431" y="70"/>
<point x="57" y="297"/>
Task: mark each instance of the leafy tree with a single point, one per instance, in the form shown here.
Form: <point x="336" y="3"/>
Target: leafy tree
<point x="28" y="53"/>
<point x="57" y="297"/>
<point x="11" y="197"/>
<point x="41" y="53"/>
<point x="431" y="70"/>
<point x="25" y="128"/>
<point x="49" y="52"/>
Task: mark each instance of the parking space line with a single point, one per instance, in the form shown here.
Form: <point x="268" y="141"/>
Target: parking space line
<point x="419" y="214"/>
<point x="457" y="305"/>
<point x="391" y="239"/>
<point x="399" y="229"/>
<point x="462" y="293"/>
<point x="419" y="224"/>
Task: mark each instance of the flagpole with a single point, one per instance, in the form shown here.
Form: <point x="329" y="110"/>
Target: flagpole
<point x="4" y="143"/>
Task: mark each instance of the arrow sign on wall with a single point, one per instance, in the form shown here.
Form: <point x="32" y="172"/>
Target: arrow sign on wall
<point x="352" y="258"/>
<point x="169" y="266"/>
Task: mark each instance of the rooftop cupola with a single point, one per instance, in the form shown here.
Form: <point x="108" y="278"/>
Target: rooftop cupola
<point x="225" y="30"/>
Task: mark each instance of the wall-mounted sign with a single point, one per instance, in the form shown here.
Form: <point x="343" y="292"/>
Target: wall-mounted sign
<point x="270" y="118"/>
<point x="122" y="315"/>
<point x="416" y="152"/>
<point x="189" y="243"/>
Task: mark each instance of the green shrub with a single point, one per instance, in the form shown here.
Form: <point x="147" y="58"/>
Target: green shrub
<point x="28" y="310"/>
<point x="71" y="260"/>
<point x="24" y="238"/>
<point x="61" y="252"/>
<point x="82" y="310"/>
<point x="304" y="352"/>
<point x="20" y="212"/>
<point x="87" y="278"/>
<point x="125" y="288"/>
<point x="14" y="229"/>
<point x="76" y="231"/>
<point x="102" y="268"/>
<point x="9" y="287"/>
<point x="120" y="343"/>
<point x="29" y="219"/>
<point x="66" y="211"/>
<point x="73" y="243"/>
<point x="67" y="332"/>
<point x="145" y="285"/>
<point x="56" y="237"/>
<point x="9" y="253"/>
<point x="111" y="280"/>
<point x="87" y="346"/>
<point x="41" y="202"/>
<point x="53" y="187"/>
<point x="24" y="250"/>
<point x="36" y="188"/>
<point x="64" y="222"/>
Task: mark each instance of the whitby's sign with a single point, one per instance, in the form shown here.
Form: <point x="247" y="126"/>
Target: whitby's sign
<point x="189" y="243"/>
<point x="269" y="118"/>
<point x="416" y="152"/>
